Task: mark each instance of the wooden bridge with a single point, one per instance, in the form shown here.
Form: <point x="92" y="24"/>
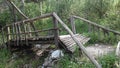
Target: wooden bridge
<point x="23" y="34"/>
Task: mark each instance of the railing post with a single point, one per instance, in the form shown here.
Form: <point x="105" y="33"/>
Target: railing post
<point x="73" y="24"/>
<point x="56" y="31"/>
<point x="89" y="27"/>
<point x="3" y="38"/>
<point x="8" y="35"/>
<point x="29" y="30"/>
<point x="25" y="32"/>
<point x="17" y="35"/>
<point x="8" y="28"/>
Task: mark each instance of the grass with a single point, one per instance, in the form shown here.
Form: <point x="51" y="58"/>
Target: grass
<point x="109" y="60"/>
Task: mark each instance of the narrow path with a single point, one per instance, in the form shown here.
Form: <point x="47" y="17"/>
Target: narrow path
<point x="97" y="50"/>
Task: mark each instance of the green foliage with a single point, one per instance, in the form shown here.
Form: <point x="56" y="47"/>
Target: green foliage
<point x="108" y="61"/>
<point x="4" y="18"/>
<point x="6" y="60"/>
<point x="4" y="57"/>
<point x="32" y="10"/>
<point x="76" y="60"/>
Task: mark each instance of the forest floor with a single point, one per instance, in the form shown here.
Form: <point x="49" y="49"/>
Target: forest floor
<point x="32" y="61"/>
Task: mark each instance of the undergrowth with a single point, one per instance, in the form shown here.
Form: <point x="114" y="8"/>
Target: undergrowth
<point x="106" y="61"/>
<point x="75" y="60"/>
<point x="7" y="60"/>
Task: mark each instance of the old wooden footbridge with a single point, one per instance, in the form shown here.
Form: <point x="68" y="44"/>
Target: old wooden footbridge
<point x="24" y="34"/>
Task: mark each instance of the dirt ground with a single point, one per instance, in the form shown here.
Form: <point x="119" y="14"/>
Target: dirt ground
<point x="97" y="50"/>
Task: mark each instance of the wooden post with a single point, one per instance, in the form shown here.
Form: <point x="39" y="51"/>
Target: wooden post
<point x="19" y="28"/>
<point x="19" y="33"/>
<point x="77" y="42"/>
<point x="3" y="38"/>
<point x="56" y="31"/>
<point x="9" y="37"/>
<point x="17" y="36"/>
<point x="14" y="33"/>
<point x="98" y="33"/>
<point x="29" y="30"/>
<point x="25" y="30"/>
<point x="73" y="24"/>
<point x="13" y="30"/>
<point x="89" y="27"/>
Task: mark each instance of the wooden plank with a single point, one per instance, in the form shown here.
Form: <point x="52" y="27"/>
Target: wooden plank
<point x="69" y="42"/>
<point x="33" y="31"/>
<point x="35" y="41"/>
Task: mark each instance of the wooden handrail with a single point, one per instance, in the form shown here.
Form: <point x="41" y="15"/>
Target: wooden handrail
<point x="30" y="20"/>
<point x="97" y="25"/>
<point x="32" y="31"/>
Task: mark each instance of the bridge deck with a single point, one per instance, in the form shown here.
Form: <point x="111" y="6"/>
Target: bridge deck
<point x="67" y="41"/>
<point x="30" y="41"/>
<point x="70" y="43"/>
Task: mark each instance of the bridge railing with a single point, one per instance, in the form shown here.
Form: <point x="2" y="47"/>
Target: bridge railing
<point x="97" y="30"/>
<point x="23" y="30"/>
